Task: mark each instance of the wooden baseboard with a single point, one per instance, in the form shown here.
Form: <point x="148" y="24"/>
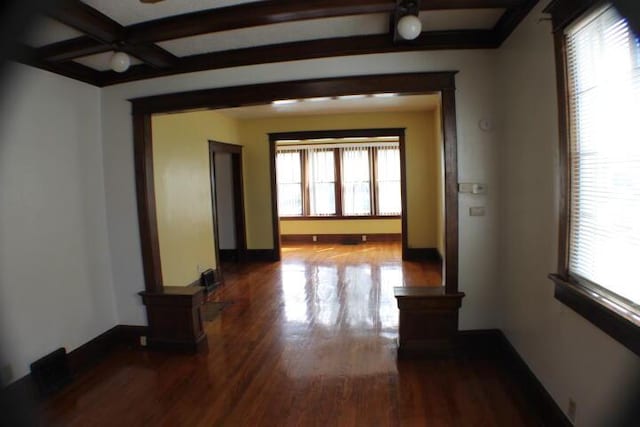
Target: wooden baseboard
<point x="422" y="254"/>
<point x="81" y="359"/>
<point x="341" y="238"/>
<point x="492" y="343"/>
<point x="265" y="255"/>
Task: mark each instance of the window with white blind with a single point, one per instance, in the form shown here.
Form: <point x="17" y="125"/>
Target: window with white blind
<point x="603" y="88"/>
<point x="288" y="165"/>
<point x="326" y="180"/>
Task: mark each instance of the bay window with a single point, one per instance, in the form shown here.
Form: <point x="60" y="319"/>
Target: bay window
<point x="324" y="180"/>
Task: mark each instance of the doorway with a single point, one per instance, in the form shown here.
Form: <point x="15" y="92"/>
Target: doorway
<point x="227" y="201"/>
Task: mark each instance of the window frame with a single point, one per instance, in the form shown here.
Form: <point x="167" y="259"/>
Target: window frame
<point x="371" y="133"/>
<point x="570" y="290"/>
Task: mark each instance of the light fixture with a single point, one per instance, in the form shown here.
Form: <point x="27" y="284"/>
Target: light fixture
<point x="318" y="99"/>
<point x="384" y="95"/>
<point x="280" y="102"/>
<point x="348" y="97"/>
<point x="407" y="23"/>
<point x="409" y="27"/>
<point x="120" y="62"/>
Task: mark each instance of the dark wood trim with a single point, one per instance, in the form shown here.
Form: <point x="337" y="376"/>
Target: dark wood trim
<point x="403" y="195"/>
<point x="337" y="162"/>
<point x="145" y="190"/>
<point x="567" y="290"/>
<point x="29" y="56"/>
<point x="537" y="394"/>
<point x="564" y="12"/>
<point x="563" y="153"/>
<point x="275" y="224"/>
<point x="615" y="324"/>
<point x="341" y="133"/>
<point x="214" y="205"/>
<point x="224" y="147"/>
<point x="260" y="94"/>
<point x="422" y="254"/>
<point x="511" y="18"/>
<point x="337" y="217"/>
<point x="451" y="191"/>
<point x="273" y="12"/>
<point x="311" y="49"/>
<point x="175" y="319"/>
<point x="67" y="50"/>
<point x="341" y="238"/>
<point x="263" y="255"/>
<point x="238" y="96"/>
<point x="238" y="197"/>
<point x="105" y="30"/>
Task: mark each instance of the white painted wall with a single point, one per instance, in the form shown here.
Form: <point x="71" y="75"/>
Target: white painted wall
<point x="55" y="277"/>
<point x="571" y="357"/>
<point x="224" y="201"/>
<point x="477" y="153"/>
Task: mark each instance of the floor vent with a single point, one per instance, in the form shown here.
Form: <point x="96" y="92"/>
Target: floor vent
<point x="51" y="373"/>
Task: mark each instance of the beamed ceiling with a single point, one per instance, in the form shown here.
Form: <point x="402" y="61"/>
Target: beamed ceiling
<point x="77" y="39"/>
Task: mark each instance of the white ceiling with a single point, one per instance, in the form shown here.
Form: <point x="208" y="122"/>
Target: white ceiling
<point x="334" y="106"/>
<point x="342" y="26"/>
<point x="45" y="31"/>
<point x="128" y="12"/>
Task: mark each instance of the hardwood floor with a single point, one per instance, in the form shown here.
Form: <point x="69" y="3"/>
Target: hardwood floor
<point x="309" y="341"/>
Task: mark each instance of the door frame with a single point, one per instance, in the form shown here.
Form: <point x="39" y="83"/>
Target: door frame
<point x="238" y="197"/>
<point x="227" y="97"/>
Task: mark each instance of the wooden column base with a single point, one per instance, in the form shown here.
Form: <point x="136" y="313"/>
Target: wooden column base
<point x="175" y="320"/>
<point x="428" y="321"/>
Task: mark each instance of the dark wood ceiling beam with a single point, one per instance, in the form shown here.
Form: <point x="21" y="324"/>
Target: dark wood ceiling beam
<point x="274" y="12"/>
<point x="103" y="30"/>
<point x="28" y="56"/>
<point x="295" y="51"/>
<point x="84" y="18"/>
<point x="71" y="49"/>
<point x="511" y="18"/>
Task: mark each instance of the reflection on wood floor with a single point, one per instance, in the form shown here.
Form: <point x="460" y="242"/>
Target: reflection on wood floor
<point x="307" y="341"/>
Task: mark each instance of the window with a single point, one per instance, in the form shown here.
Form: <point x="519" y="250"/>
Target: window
<point x="289" y="182"/>
<point x="328" y="180"/>
<point x="601" y="219"/>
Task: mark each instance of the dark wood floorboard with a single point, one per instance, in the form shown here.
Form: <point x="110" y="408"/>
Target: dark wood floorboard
<point x="309" y="341"/>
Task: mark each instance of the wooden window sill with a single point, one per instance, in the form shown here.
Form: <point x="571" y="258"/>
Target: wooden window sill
<point x="616" y="324"/>
<point x="337" y="217"/>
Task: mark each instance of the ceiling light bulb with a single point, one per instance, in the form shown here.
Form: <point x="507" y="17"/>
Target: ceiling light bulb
<point x="409" y="27"/>
<point x="284" y="102"/>
<point x="120" y="62"/>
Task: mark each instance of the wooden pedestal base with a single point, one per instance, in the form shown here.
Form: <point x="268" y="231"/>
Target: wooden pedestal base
<point x="175" y="320"/>
<point x="428" y="321"/>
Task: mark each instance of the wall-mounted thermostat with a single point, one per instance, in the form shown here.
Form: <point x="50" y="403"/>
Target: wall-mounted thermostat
<point x="472" y="188"/>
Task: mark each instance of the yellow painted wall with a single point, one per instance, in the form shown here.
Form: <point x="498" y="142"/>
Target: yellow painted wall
<point x="421" y="154"/>
<point x="338" y="226"/>
<point x="183" y="190"/>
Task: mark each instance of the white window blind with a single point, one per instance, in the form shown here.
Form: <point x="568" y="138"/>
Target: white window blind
<point x="603" y="70"/>
<point x="356" y="181"/>
<point x="289" y="177"/>
<point x="388" y="181"/>
<point x="322" y="184"/>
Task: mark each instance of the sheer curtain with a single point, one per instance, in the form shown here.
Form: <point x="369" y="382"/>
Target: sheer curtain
<point x="322" y="195"/>
<point x="356" y="181"/>
<point x="388" y="181"/>
<point x="289" y="177"/>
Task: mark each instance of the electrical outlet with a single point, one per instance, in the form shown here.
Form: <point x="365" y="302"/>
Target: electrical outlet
<point x="314" y="238"/>
<point x="571" y="411"/>
<point x="6" y="374"/>
<point x="364" y="237"/>
<point x="143" y="340"/>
